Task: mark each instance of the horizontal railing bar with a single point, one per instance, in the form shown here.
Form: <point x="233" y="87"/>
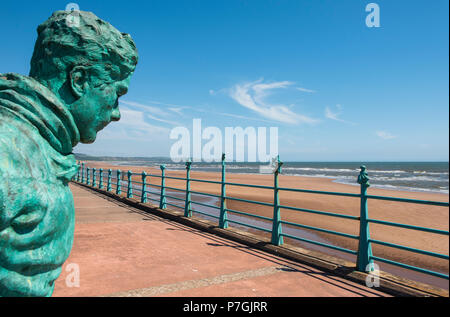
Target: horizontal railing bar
<point x="204" y="181"/>
<point x="319" y="243"/>
<point x="321" y="230"/>
<point x="325" y="213"/>
<point x="407" y="200"/>
<point x="206" y="194"/>
<point x="401" y="225"/>
<point x="174" y="205"/>
<point x="148" y="195"/>
<point x="203" y="204"/>
<point x="250" y="226"/>
<point x="249" y="185"/>
<point x="247" y="214"/>
<point x="154" y="175"/>
<point x="250" y="201"/>
<point x="173" y="177"/>
<point x="402" y="247"/>
<point x="319" y="192"/>
<point x="204" y="213"/>
<point x="177" y="198"/>
<point x="174" y="188"/>
<point x="410" y="267"/>
<point x="125" y="173"/>
<point x="154" y="185"/>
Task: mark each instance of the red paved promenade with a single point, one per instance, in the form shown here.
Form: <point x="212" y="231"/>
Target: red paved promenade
<point x="123" y="251"/>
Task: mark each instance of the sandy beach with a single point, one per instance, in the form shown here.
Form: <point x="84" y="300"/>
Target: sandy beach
<point x="406" y="213"/>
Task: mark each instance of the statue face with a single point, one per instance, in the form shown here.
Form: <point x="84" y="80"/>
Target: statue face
<point x="98" y="101"/>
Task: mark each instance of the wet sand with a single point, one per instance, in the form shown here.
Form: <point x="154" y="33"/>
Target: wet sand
<point x="413" y="214"/>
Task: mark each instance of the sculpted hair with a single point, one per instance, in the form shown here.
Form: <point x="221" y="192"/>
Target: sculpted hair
<point x="92" y="42"/>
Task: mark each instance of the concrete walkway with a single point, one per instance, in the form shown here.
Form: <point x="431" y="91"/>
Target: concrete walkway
<point x="123" y="251"/>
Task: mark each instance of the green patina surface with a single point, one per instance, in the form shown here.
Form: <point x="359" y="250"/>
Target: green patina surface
<point x="78" y="72"/>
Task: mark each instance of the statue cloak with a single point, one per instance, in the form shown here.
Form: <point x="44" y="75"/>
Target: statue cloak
<point x="37" y="134"/>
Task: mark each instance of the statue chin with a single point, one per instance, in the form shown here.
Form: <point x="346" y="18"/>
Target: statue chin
<point x="88" y="139"/>
<point x="39" y="285"/>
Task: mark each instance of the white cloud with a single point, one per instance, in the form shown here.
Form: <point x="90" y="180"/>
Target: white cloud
<point x="146" y="108"/>
<point x="331" y="115"/>
<point x="132" y="126"/>
<point x="252" y="96"/>
<point x="150" y="112"/>
<point x="385" y="135"/>
<point x="177" y="110"/>
<point x="335" y="115"/>
<point x="305" y="90"/>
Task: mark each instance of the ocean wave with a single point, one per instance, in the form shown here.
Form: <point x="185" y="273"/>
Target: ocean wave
<point x="321" y="169"/>
<point x="388" y="172"/>
<point x="441" y="190"/>
<point x="410" y="178"/>
<point x="430" y="173"/>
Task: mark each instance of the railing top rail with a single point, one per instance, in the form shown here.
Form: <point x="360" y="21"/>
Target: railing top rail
<point x="408" y="200"/>
<point x="250" y="185"/>
<point x="309" y="191"/>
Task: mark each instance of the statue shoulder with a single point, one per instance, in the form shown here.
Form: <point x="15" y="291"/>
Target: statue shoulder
<point x="21" y="150"/>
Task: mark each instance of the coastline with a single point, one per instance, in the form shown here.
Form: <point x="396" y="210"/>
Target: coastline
<point x="413" y="214"/>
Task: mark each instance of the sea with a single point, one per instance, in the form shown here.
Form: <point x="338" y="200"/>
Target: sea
<point x="410" y="176"/>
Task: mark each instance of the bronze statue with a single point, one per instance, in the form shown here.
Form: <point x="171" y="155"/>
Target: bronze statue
<point x="78" y="72"/>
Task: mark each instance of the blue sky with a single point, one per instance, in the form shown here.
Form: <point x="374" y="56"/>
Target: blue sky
<point x="336" y="89"/>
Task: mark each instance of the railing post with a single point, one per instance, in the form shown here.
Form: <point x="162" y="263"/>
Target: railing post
<point x="88" y="181"/>
<point x="162" y="200"/>
<point x="223" y="217"/>
<point x="82" y="173"/>
<point x="130" y="185"/>
<point x="364" y="248"/>
<point x="144" y="188"/>
<point x="108" y="186"/>
<point x="94" y="178"/>
<point x="119" y="187"/>
<point x="100" y="181"/>
<point x="277" y="238"/>
<point x="78" y="173"/>
<point x="187" y="204"/>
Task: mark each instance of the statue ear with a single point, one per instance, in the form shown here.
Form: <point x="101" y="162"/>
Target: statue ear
<point x="79" y="81"/>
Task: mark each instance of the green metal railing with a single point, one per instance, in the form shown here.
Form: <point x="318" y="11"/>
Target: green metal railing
<point x="364" y="255"/>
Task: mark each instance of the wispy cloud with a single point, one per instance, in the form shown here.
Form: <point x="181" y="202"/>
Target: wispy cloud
<point x="132" y="126"/>
<point x="335" y="115"/>
<point x="178" y="110"/>
<point x="305" y="90"/>
<point x="385" y="135"/>
<point x="155" y="110"/>
<point x="151" y="112"/>
<point x="253" y="96"/>
<point x="241" y="117"/>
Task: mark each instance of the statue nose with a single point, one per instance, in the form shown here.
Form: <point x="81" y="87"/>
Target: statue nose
<point x="115" y="115"/>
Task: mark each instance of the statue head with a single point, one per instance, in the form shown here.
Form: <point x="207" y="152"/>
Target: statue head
<point x="87" y="65"/>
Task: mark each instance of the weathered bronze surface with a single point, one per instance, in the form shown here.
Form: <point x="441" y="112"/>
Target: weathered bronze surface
<point x="79" y="69"/>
